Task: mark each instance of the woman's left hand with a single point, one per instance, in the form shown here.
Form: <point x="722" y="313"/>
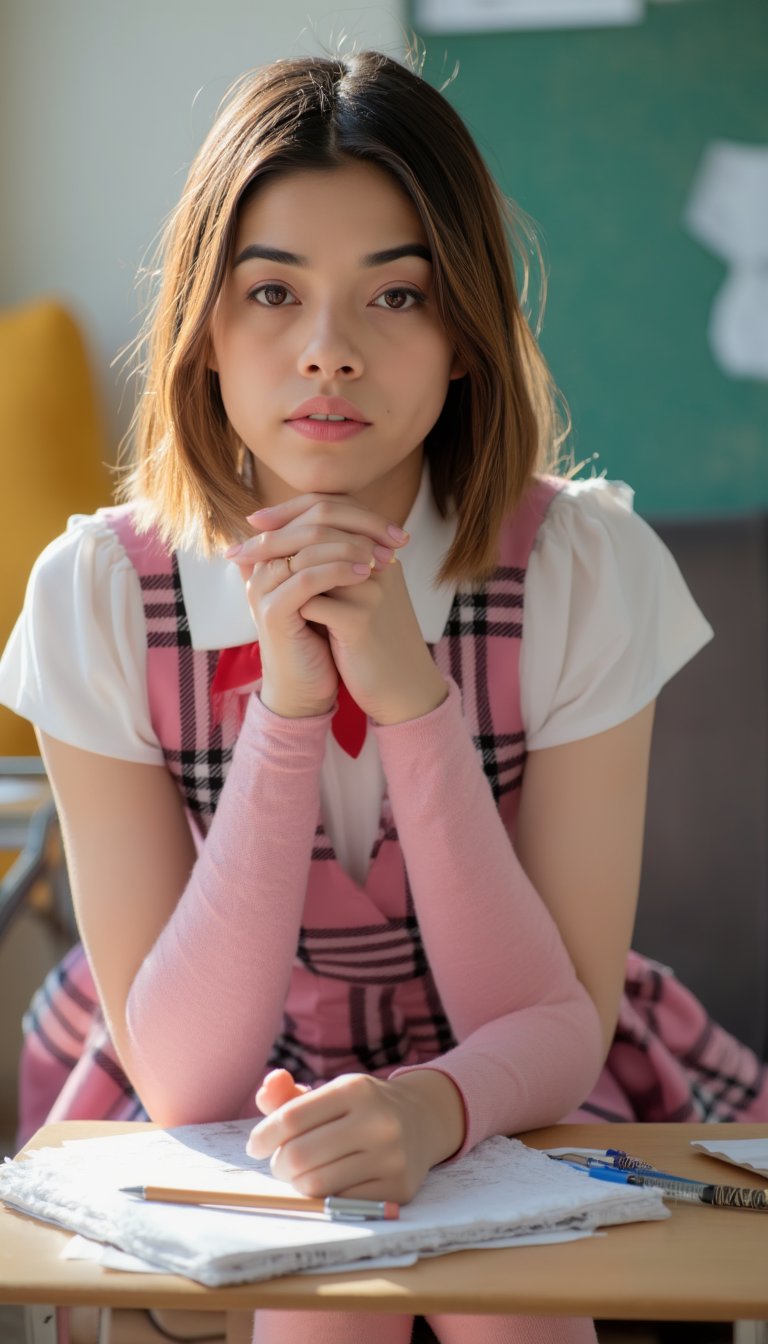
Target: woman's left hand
<point x="358" y="1136"/>
<point x="375" y="640"/>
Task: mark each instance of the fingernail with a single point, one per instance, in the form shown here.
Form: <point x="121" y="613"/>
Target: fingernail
<point x="361" y="569"/>
<point x="234" y="550"/>
<point x="383" y="554"/>
<point x="258" y="513"/>
<point x="397" y="532"/>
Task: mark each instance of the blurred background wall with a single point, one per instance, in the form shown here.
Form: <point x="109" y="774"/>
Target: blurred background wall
<point x="598" y="133"/>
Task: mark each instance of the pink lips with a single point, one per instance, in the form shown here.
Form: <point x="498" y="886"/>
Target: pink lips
<point x="327" y="431"/>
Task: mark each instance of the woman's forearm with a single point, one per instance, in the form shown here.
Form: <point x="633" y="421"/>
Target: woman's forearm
<point x="206" y="1005"/>
<point x="530" y="1037"/>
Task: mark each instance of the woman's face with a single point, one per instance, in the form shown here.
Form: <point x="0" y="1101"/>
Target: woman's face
<point x="330" y="296"/>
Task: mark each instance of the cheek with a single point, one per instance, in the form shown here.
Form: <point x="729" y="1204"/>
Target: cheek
<point x="426" y="358"/>
<point x="439" y="354"/>
<point x="439" y="384"/>
<point x="242" y="362"/>
<point x="438" y="376"/>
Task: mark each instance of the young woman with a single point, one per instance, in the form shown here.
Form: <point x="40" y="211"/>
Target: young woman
<point x="348" y="709"/>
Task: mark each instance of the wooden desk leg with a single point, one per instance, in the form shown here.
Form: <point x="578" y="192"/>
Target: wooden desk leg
<point x="750" y="1332"/>
<point x="239" y="1327"/>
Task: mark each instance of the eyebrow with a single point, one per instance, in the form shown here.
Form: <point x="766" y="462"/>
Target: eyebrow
<point x="282" y="258"/>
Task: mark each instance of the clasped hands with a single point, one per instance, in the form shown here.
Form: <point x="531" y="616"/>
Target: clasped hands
<point x="359" y="1136"/>
<point x="329" y="600"/>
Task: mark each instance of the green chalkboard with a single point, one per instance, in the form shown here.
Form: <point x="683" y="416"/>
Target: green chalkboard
<point x="597" y="133"/>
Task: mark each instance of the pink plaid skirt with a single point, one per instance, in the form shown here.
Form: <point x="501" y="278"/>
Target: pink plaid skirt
<point x="669" y="1061"/>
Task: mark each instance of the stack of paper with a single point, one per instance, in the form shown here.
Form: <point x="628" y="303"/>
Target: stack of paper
<point x="496" y="1195"/>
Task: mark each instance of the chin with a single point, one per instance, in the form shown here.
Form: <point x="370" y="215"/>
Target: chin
<point x="332" y="480"/>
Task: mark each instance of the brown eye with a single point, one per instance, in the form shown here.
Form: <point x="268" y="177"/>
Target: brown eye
<point x="400" y="295"/>
<point x="273" y="295"/>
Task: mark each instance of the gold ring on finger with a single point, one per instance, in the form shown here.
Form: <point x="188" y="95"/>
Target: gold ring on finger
<point x="288" y="560"/>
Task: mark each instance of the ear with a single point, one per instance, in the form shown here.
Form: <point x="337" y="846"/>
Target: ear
<point x="458" y="370"/>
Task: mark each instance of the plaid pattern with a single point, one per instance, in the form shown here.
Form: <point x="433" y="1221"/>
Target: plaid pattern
<point x="362" y="997"/>
<point x="197" y="751"/>
<point x="670" y="1062"/>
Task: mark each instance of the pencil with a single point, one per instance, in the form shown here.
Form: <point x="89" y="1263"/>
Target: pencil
<point x="335" y="1206"/>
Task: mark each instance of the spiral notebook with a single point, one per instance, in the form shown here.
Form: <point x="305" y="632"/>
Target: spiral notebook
<point x="499" y="1192"/>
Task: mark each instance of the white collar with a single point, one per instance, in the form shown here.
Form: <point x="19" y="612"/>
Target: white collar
<point x="217" y="608"/>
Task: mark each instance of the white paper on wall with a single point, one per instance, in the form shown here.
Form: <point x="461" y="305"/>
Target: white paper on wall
<point x="467" y="16"/>
<point x="727" y="211"/>
<point x="738" y="328"/>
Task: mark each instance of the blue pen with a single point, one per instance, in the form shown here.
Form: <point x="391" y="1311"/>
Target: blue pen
<point x="613" y="1158"/>
<point x="638" y="1170"/>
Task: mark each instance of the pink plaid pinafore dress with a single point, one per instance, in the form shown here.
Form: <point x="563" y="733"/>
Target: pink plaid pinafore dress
<point x="361" y="997"/>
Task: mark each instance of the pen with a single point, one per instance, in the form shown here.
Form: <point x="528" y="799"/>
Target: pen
<point x="636" y="1168"/>
<point x="683" y="1190"/>
<point x="613" y="1157"/>
<point x="335" y="1206"/>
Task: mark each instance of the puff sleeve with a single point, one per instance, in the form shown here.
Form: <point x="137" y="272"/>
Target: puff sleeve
<point x="75" y="663"/>
<point x="608" y="617"/>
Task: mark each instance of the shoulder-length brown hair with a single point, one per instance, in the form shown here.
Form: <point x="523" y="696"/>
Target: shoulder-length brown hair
<point x="500" y="423"/>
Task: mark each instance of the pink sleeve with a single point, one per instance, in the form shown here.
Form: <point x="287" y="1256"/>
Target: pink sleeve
<point x="207" y="1003"/>
<point x="530" y="1038"/>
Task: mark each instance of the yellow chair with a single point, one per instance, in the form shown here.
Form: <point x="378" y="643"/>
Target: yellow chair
<point x="53" y="454"/>
<point x="52" y="463"/>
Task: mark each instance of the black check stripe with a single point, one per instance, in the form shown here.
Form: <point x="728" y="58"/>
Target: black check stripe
<point x="478" y="615"/>
<point x="384" y="955"/>
<point x="200" y="776"/>
<point x="396" y="1036"/>
<point x="199" y="770"/>
<point x="170" y="608"/>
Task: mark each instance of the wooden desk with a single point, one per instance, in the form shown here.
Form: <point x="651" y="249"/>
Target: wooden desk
<point x="700" y="1264"/>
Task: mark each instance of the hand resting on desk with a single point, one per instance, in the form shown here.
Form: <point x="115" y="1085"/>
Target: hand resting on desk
<point x="358" y="1135"/>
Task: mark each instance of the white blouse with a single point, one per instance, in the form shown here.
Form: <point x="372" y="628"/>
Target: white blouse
<point x="608" y="620"/>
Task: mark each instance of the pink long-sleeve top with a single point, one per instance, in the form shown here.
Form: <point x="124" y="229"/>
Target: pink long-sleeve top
<point x="529" y="1037"/>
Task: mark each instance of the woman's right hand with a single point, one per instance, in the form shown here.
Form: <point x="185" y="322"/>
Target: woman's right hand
<point x="299" y="676"/>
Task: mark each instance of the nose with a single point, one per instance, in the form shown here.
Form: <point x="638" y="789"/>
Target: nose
<point x="329" y="347"/>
